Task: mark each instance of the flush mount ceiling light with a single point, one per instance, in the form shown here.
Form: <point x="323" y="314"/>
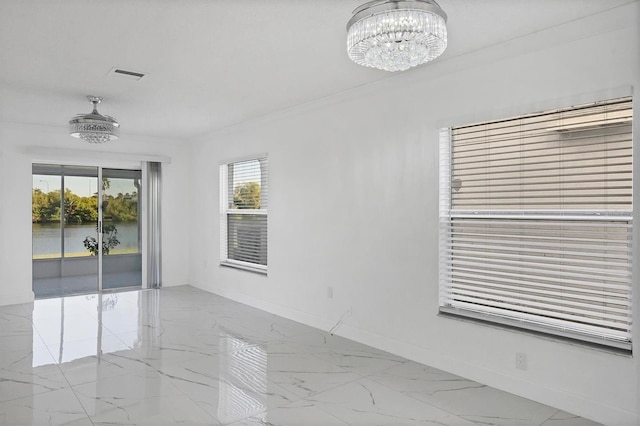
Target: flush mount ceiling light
<point x="94" y="127"/>
<point x="395" y="35"/>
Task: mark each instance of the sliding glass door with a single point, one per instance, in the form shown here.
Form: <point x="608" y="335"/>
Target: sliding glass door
<point x="86" y="229"/>
<point x="65" y="217"/>
<point x="121" y="226"/>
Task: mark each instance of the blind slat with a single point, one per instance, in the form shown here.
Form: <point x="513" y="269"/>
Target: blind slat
<point x="619" y="337"/>
<point x="569" y="314"/>
<point x="528" y="279"/>
<point x="545" y="267"/>
<point x="600" y="292"/>
<point x="530" y="301"/>
<point x="537" y="259"/>
<point x="598" y="277"/>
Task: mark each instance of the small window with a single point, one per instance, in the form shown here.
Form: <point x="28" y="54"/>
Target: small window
<point x="536" y="222"/>
<point x="244" y="194"/>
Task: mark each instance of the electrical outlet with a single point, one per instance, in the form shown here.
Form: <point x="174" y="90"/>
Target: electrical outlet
<point x="521" y="361"/>
<point x="330" y="292"/>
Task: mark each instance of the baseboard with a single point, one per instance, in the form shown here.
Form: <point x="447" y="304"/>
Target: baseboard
<point x="283" y="311"/>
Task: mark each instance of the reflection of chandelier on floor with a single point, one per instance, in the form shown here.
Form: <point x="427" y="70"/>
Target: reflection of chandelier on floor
<point x="94" y="127"/>
<point x="395" y="35"/>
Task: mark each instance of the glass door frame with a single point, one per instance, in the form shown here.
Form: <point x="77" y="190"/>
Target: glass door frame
<point x="121" y="173"/>
<point x="100" y="235"/>
<point x="141" y="216"/>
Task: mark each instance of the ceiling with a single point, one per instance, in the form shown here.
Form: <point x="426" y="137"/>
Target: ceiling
<point x="211" y="64"/>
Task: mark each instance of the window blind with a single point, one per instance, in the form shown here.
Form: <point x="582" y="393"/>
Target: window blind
<point x="536" y="221"/>
<point x="244" y="213"/>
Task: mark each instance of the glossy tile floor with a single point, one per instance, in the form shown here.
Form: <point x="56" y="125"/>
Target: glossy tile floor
<point x="183" y="356"/>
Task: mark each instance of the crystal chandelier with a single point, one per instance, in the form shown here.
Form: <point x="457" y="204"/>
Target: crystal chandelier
<point x="94" y="127"/>
<point x="395" y="35"/>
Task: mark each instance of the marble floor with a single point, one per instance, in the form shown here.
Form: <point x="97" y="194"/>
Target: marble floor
<point x="183" y="356"/>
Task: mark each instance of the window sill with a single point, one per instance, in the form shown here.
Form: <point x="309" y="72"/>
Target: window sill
<point x="538" y="331"/>
<point x="248" y="268"/>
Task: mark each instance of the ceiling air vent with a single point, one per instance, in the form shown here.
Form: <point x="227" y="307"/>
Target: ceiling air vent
<point x="131" y="75"/>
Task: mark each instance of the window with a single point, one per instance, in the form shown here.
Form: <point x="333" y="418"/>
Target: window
<point x="65" y="213"/>
<point x="244" y="192"/>
<point x="536" y="221"/>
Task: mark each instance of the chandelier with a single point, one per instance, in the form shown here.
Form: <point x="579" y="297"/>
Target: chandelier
<point x="94" y="127"/>
<point x="395" y="35"/>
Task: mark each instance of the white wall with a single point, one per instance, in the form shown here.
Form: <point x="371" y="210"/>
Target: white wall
<point x="354" y="205"/>
<point x="16" y="184"/>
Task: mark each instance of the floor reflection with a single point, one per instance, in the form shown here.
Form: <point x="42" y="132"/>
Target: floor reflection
<point x="243" y="378"/>
<point x="82" y="326"/>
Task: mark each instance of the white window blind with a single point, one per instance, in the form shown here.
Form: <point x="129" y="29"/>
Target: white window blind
<point x="536" y="221"/>
<point x="244" y="198"/>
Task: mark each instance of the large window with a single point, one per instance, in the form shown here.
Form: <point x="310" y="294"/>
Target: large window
<point x="244" y="192"/>
<point x="65" y="203"/>
<point x="536" y="221"/>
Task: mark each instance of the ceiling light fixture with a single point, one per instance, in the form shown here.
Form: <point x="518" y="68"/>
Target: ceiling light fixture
<point x="395" y="35"/>
<point x="94" y="127"/>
